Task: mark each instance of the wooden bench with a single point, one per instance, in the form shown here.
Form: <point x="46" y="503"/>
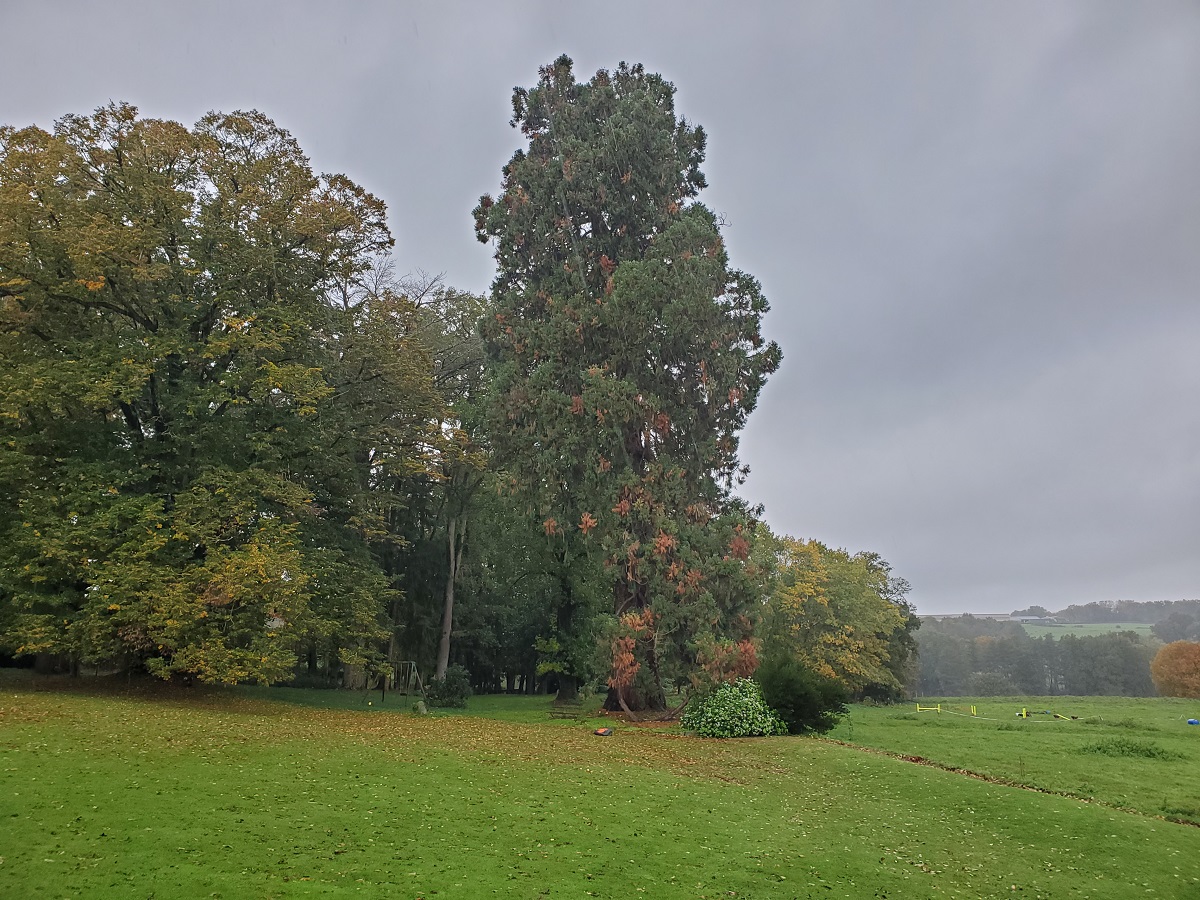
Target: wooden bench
<point x="573" y="710"/>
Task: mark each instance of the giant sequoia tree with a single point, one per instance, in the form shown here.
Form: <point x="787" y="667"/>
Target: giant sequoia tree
<point x="626" y="356"/>
<point x="200" y="398"/>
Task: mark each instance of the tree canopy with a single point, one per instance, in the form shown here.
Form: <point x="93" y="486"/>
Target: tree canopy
<point x="236" y="446"/>
<point x="200" y="392"/>
<point x="844" y="616"/>
<point x="1176" y="669"/>
<point x="979" y="657"/>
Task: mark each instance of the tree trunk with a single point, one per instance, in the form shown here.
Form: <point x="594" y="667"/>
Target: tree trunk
<point x="658" y="696"/>
<point x="632" y="701"/>
<point x="568" y="684"/>
<point x="568" y="689"/>
<point x="354" y="678"/>
<point x="455" y="544"/>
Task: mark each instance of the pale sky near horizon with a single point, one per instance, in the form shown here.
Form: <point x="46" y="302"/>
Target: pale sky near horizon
<point x="978" y="225"/>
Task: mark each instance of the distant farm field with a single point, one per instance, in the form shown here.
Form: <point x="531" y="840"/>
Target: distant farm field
<point x="223" y="793"/>
<point x="1090" y="630"/>
<point x="1136" y="753"/>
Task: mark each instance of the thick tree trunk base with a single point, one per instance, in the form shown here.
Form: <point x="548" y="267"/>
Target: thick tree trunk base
<point x="354" y="678"/>
<point x="634" y="705"/>
<point x="568" y="690"/>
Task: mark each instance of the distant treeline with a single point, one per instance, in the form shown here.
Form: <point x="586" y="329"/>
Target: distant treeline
<point x="969" y="656"/>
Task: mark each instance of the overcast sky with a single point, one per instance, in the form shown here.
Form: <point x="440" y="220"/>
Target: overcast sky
<point x="978" y="225"/>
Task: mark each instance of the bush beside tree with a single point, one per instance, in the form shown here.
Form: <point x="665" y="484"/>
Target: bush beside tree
<point x="805" y="700"/>
<point x="451" y="690"/>
<point x="734" y="709"/>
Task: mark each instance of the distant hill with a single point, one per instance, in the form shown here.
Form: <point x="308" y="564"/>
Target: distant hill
<point x="1113" y="612"/>
<point x="1128" y="611"/>
<point x="1166" y="620"/>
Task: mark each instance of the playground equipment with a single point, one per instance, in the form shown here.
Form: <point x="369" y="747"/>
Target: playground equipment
<point x="407" y="677"/>
<point x="403" y="679"/>
<point x="973" y="713"/>
<point x="938" y="709"/>
<point x="1026" y="713"/>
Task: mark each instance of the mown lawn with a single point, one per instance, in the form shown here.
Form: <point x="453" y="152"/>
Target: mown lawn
<point x="201" y="793"/>
<point x="501" y="707"/>
<point x="1128" y="752"/>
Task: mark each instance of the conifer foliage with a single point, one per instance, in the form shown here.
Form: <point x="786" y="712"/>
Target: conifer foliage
<point x="626" y="355"/>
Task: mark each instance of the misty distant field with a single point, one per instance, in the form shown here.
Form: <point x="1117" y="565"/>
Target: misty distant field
<point x="1057" y="631"/>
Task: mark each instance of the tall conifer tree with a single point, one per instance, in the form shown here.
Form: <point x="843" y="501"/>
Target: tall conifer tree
<point x="627" y="355"/>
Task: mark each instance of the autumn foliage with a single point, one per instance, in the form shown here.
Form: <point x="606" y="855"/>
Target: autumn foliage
<point x="722" y="661"/>
<point x="1176" y="670"/>
<point x="841" y="615"/>
<point x="634" y="626"/>
<point x="205" y="395"/>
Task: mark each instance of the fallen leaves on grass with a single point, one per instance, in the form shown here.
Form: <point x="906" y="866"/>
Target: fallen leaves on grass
<point x="214" y="721"/>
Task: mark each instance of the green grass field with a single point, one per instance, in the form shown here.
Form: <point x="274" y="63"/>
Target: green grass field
<point x="1125" y="752"/>
<point x="169" y="793"/>
<point x="1057" y="631"/>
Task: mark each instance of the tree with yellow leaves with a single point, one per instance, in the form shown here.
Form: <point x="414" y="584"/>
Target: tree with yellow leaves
<point x="203" y="401"/>
<point x="843" y="615"/>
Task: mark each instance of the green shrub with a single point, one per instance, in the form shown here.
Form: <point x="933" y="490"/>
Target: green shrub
<point x="805" y="700"/>
<point x="452" y="690"/>
<point x="1136" y="749"/>
<point x="736" y="709"/>
<point x="1123" y="723"/>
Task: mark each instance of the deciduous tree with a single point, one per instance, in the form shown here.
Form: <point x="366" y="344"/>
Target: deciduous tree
<point x="1176" y="669"/>
<point x="840" y="614"/>
<point x="197" y="402"/>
